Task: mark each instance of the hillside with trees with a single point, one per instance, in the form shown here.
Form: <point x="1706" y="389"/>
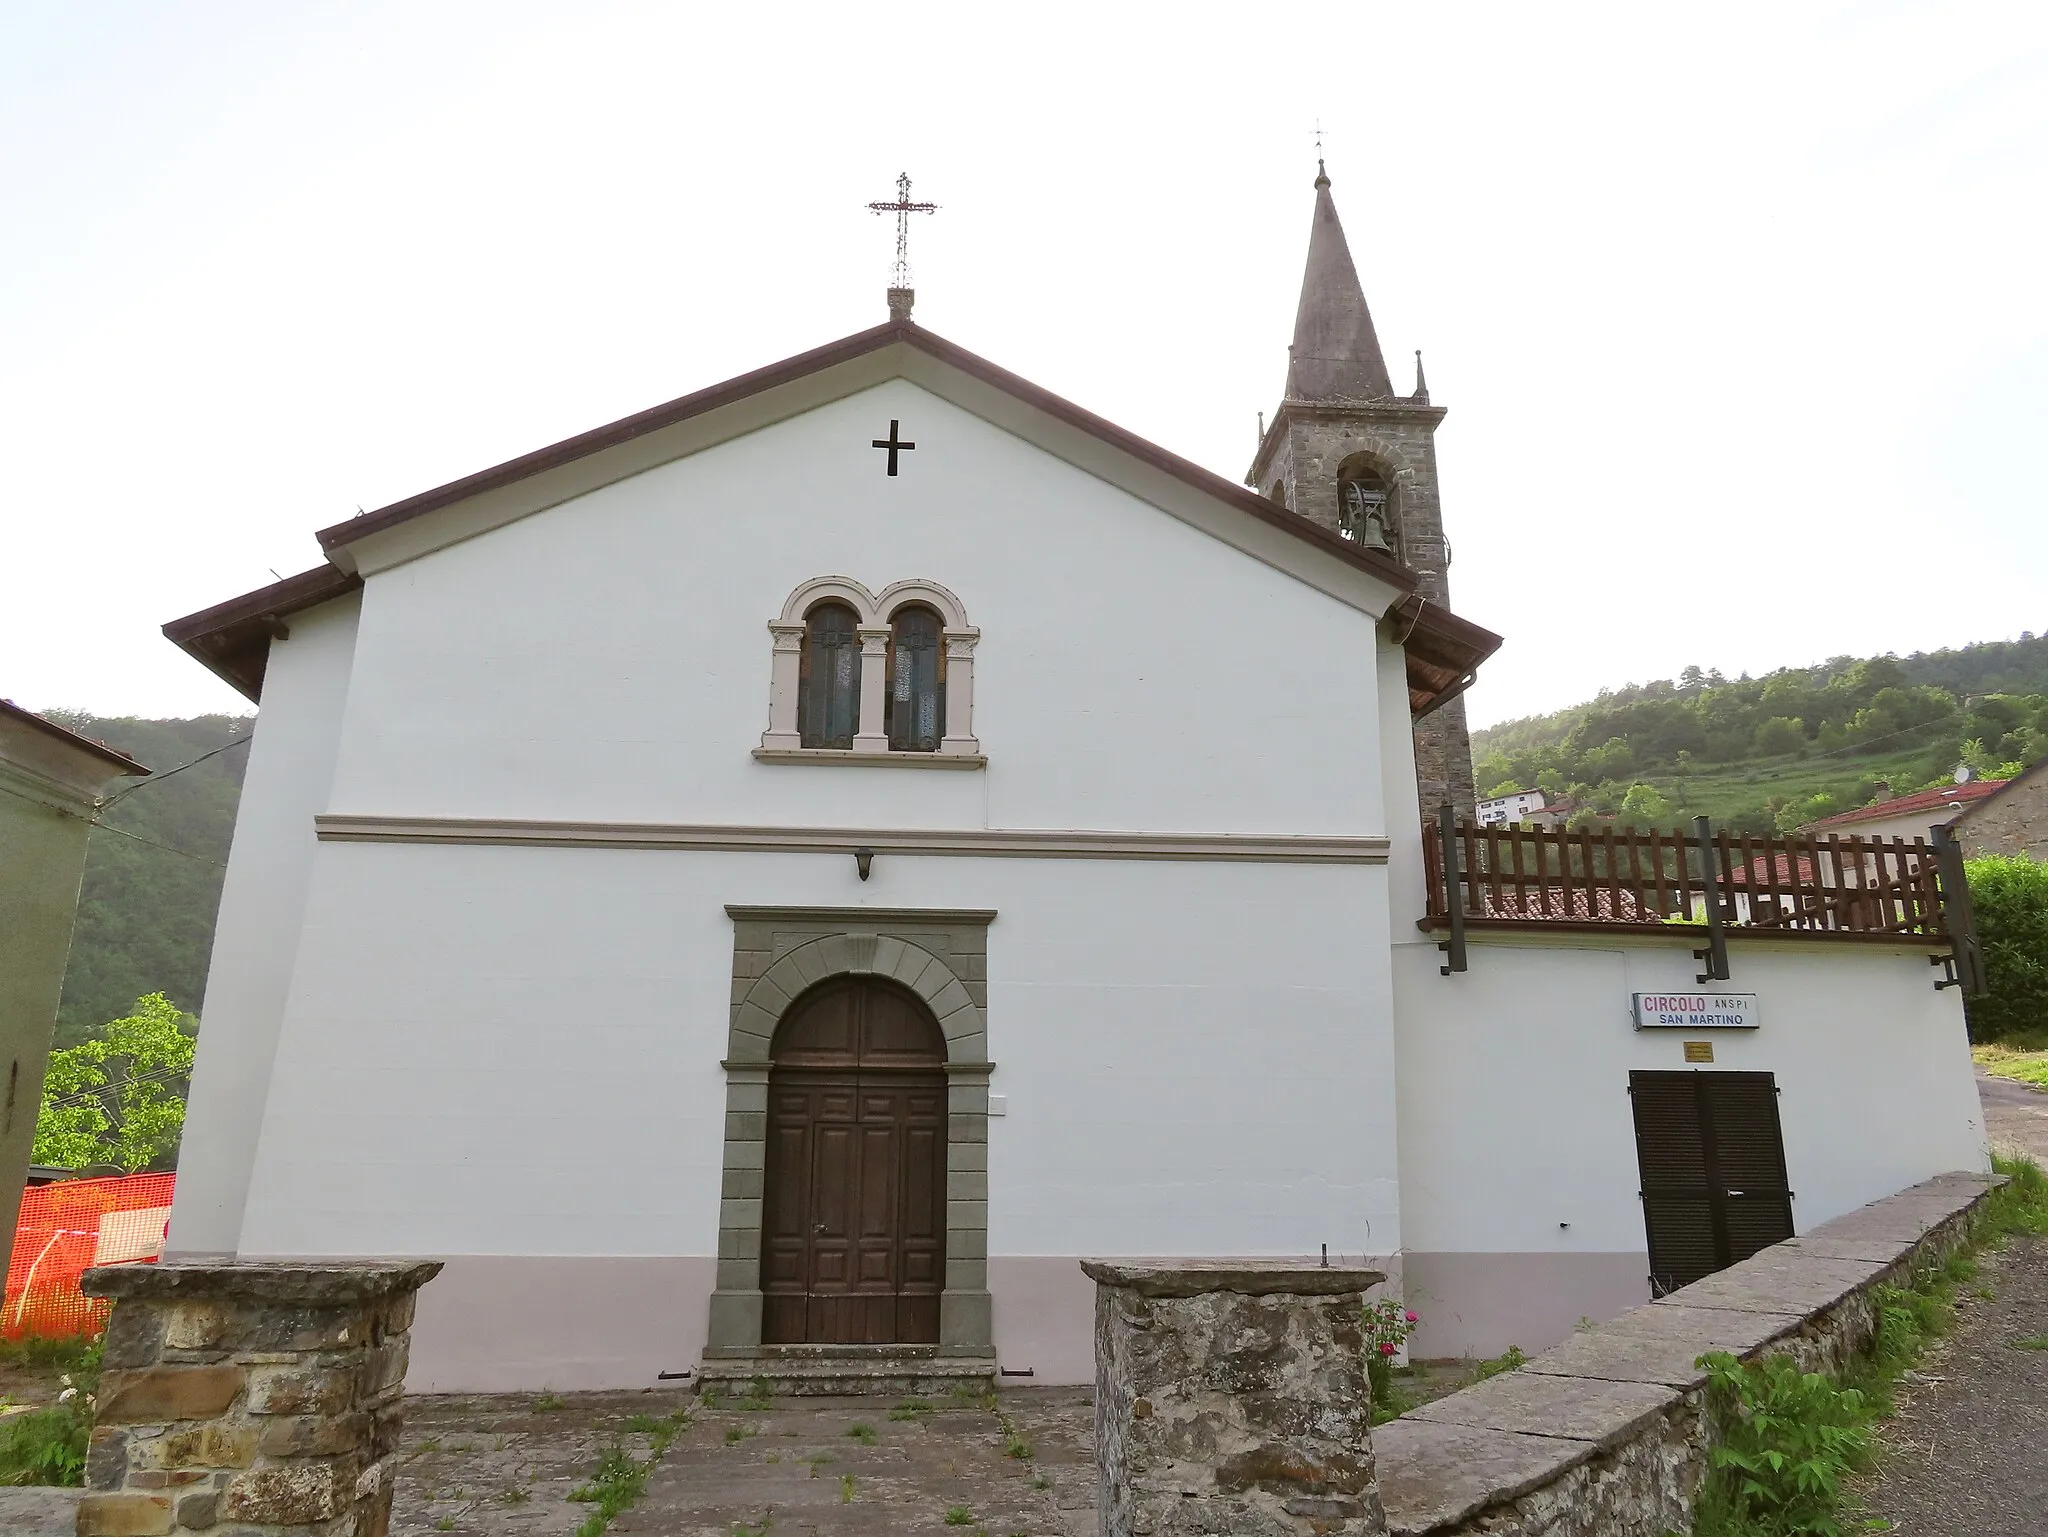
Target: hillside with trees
<point x="153" y="869"/>
<point x="1778" y="751"/>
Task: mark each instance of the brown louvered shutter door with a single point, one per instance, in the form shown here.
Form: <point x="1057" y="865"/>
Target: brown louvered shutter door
<point x="1749" y="1152"/>
<point x="1678" y="1207"/>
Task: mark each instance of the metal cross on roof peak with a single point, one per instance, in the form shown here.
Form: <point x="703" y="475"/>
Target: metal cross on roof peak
<point x="903" y="208"/>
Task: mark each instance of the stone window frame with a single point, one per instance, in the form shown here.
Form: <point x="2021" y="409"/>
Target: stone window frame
<point x="939" y="954"/>
<point x="958" y="748"/>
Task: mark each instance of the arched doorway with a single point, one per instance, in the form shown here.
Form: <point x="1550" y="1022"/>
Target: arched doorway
<point x="853" y="1233"/>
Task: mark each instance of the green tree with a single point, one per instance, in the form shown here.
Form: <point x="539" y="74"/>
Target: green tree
<point x="119" y="1099"/>
<point x="1780" y="734"/>
<point x="1645" y="804"/>
<point x="2009" y="894"/>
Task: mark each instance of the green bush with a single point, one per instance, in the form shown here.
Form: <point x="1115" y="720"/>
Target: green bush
<point x="1788" y="1440"/>
<point x="47" y="1446"/>
<point x="2010" y="896"/>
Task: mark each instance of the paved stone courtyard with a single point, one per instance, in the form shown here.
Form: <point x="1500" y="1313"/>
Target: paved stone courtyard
<point x="1021" y="1463"/>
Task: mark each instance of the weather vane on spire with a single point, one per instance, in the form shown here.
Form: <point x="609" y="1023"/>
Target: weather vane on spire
<point x="899" y="276"/>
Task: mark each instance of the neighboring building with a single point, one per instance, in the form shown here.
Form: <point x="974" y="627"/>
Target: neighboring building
<point x="1909" y="816"/>
<point x="1552" y="816"/>
<point x="803" y="865"/>
<point x="2013" y="819"/>
<point x="1500" y="809"/>
<point x="51" y="780"/>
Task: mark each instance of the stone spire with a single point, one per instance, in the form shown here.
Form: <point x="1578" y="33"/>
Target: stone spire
<point x="1336" y="353"/>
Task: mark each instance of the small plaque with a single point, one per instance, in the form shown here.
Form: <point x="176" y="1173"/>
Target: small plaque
<point x="1699" y="1051"/>
<point x="1695" y="1011"/>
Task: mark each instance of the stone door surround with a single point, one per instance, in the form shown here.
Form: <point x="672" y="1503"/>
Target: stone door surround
<point x="941" y="955"/>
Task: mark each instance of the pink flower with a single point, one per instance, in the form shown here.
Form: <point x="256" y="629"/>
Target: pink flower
<point x="1411" y="1318"/>
<point x="1386" y="1347"/>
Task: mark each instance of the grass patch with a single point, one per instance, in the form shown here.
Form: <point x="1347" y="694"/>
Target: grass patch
<point x="2029" y="1067"/>
<point x="2038" y="1342"/>
<point x="616" y="1483"/>
<point x="1511" y="1359"/>
<point x="1789" y="1441"/>
<point x="847" y="1484"/>
<point x="959" y="1515"/>
<point x="862" y="1432"/>
<point x="662" y="1429"/>
<point x="620" y="1478"/>
<point x="548" y="1403"/>
<point x="913" y="1409"/>
<point x="39" y="1352"/>
<point x="47" y="1446"/>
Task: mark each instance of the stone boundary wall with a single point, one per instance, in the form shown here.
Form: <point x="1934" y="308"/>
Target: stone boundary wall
<point x="262" y="1399"/>
<point x="1603" y="1436"/>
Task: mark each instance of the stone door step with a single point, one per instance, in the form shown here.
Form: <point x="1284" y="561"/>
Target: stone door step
<point x="849" y="1371"/>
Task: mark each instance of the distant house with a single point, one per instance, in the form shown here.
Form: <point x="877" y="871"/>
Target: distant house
<point x="50" y="783"/>
<point x="1912" y="816"/>
<point x="2012" y="819"/>
<point x="1501" y="810"/>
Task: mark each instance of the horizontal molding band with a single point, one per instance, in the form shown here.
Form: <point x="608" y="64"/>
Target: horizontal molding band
<point x="972" y="842"/>
<point x="831" y="757"/>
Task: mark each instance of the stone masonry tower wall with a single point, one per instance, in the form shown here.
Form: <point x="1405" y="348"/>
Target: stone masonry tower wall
<point x="1340" y="418"/>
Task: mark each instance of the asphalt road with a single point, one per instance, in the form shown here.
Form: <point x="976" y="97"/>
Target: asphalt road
<point x="1967" y="1455"/>
<point x="2017" y="1117"/>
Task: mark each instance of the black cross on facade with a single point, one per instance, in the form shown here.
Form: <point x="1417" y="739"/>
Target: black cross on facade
<point x="893" y="443"/>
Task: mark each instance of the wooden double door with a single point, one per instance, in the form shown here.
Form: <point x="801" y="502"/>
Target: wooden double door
<point x="1711" y="1152"/>
<point x="853" y="1232"/>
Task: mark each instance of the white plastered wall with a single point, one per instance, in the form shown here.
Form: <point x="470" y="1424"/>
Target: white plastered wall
<point x="291" y="762"/>
<point x="1518" y="1164"/>
<point x="609" y="658"/>
<point x="509" y="1057"/>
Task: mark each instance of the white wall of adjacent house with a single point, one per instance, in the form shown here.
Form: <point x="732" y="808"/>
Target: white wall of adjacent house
<point x="255" y="938"/>
<point x="510" y="1057"/>
<point x="1911" y="825"/>
<point x="1518" y="1165"/>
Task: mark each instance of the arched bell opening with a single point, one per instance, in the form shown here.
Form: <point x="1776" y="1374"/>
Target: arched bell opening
<point x="1366" y="511"/>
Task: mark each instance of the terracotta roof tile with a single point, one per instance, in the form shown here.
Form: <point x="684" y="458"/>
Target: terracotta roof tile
<point x="1922" y="800"/>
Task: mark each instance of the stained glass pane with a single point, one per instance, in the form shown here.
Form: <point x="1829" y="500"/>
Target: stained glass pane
<point x="828" y="703"/>
<point x="916" y="710"/>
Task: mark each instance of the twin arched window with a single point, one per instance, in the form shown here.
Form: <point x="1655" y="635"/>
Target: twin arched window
<point x="872" y="678"/>
<point x="914" y="679"/>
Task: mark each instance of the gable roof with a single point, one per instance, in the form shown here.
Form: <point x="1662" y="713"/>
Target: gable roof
<point x="232" y="639"/>
<point x="90" y="747"/>
<point x="1943" y="797"/>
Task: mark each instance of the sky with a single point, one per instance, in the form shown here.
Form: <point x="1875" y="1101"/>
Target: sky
<point x="1738" y="311"/>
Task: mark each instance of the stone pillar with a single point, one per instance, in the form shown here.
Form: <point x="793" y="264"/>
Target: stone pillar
<point x="784" y="684"/>
<point x="1233" y="1398"/>
<point x="872" y="736"/>
<point x="959" y="738"/>
<point x="264" y="1398"/>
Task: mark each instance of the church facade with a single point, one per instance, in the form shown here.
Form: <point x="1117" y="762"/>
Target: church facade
<point x="744" y="931"/>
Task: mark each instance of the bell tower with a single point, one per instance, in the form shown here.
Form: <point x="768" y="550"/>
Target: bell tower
<point x="1345" y="451"/>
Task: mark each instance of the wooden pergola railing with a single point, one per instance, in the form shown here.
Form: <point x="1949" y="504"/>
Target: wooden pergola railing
<point x="1632" y="880"/>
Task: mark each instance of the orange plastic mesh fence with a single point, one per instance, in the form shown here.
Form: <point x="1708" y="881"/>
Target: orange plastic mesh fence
<point x="67" y="1227"/>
